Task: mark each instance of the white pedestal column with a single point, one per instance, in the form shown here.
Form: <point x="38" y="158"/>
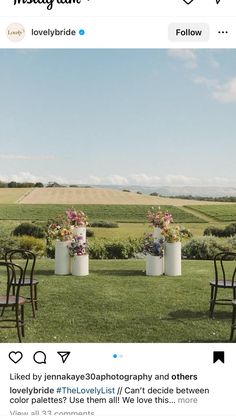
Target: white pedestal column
<point x="154" y="265"/>
<point x="80" y="265"/>
<point x="62" y="258"/>
<point x="79" y="231"/>
<point x="173" y="259"/>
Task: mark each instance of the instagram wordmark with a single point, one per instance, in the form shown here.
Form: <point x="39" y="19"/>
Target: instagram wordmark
<point x="49" y="3"/>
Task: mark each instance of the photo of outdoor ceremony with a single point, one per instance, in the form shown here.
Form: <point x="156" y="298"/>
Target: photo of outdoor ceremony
<point x="117" y="196"/>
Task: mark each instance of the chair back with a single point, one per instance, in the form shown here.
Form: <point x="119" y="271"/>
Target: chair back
<point x="25" y="259"/>
<point x="225" y="267"/>
<point x="14" y="278"/>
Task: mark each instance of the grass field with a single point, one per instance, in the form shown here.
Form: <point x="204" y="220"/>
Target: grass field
<point x="118" y="303"/>
<point x="226" y="212"/>
<point x="82" y="196"/>
<point x="119" y="213"/>
<point x="72" y="196"/>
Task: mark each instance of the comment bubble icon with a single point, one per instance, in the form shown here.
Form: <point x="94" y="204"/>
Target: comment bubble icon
<point x="39" y="357"/>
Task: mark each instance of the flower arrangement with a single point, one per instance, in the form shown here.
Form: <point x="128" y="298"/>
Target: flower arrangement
<point x="159" y="218"/>
<point x="154" y="247"/>
<point x="77" y="247"/>
<point x="59" y="229"/>
<point x="76" y="219"/>
<point x="175" y="234"/>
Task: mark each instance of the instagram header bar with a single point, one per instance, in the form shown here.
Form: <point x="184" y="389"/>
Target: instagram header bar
<point x="117" y="24"/>
<point x="117" y="32"/>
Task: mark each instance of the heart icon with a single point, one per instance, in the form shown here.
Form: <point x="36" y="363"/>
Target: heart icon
<point x="188" y="1"/>
<point x="15" y="356"/>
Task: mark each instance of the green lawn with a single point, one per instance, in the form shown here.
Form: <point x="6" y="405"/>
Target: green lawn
<point x="119" y="213"/>
<point x="224" y="212"/>
<point x="118" y="303"/>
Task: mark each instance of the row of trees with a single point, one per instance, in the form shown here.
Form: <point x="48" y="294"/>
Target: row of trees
<point x="13" y="184"/>
<point x="21" y="185"/>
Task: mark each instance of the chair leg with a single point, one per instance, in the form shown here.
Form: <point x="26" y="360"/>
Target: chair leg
<point x="2" y="312"/>
<point x="32" y="299"/>
<point x="18" y="326"/>
<point x="233" y="326"/>
<point x="22" y="321"/>
<point x="35" y="297"/>
<point x="213" y="301"/>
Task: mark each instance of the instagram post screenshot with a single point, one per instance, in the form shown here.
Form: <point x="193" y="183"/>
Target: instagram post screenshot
<point x="117" y="208"/>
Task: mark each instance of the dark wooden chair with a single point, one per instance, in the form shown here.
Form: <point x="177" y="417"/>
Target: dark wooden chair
<point x="233" y="326"/>
<point x="26" y="260"/>
<point x="225" y="278"/>
<point x="12" y="299"/>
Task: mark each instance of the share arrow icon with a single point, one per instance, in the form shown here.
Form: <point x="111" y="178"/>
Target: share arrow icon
<point x="64" y="356"/>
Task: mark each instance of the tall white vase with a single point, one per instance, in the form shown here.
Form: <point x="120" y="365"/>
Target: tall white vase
<point x="62" y="258"/>
<point x="79" y="231"/>
<point x="154" y="265"/>
<point x="173" y="259"/>
<point x="80" y="265"/>
<point x="157" y="233"/>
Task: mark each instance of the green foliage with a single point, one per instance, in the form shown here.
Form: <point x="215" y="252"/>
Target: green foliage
<point x="89" y="233"/>
<point x="106" y="249"/>
<point x="123" y="249"/>
<point x="214" y="231"/>
<point x="232" y="242"/>
<point x="97" y="249"/>
<point x="228" y="231"/>
<point x="203" y="248"/>
<point x="50" y="248"/>
<point x="29" y="229"/>
<point x="104" y="224"/>
<point x="33" y="244"/>
<point x="7" y="243"/>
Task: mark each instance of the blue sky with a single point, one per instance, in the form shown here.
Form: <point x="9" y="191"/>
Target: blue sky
<point x="145" y="117"/>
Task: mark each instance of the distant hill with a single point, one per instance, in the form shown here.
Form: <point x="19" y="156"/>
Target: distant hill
<point x="201" y="191"/>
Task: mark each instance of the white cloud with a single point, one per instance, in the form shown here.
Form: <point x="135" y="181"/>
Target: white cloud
<point x="104" y="180"/>
<point x="213" y="62"/>
<point x="25" y="157"/>
<point x="187" y="56"/>
<point x="137" y="179"/>
<point x="222" y="92"/>
<point x="179" y="180"/>
<point x="145" y="180"/>
<point x="29" y="177"/>
<point x="226" y="93"/>
<point x="116" y="180"/>
<point x="204" y="81"/>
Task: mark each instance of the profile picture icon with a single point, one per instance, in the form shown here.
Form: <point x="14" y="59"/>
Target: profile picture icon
<point x="15" y="32"/>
